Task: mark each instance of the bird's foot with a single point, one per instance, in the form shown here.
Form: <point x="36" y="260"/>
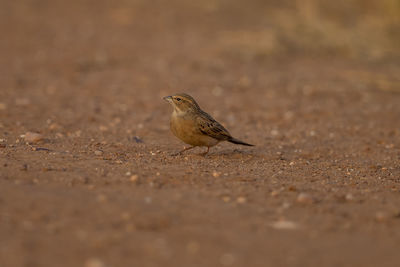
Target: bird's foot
<point x="205" y="153"/>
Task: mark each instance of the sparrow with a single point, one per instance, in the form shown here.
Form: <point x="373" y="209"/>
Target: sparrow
<point x="194" y="126"/>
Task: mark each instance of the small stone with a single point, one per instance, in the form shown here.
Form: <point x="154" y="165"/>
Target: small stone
<point x="305" y="198"/>
<point x="24" y="167"/>
<point x="226" y="199"/>
<point x="137" y="139"/>
<point x="133" y="178"/>
<point x="216" y="174"/>
<point x="274" y="193"/>
<point x="241" y="200"/>
<point x="284" y="225"/>
<point x="274" y="132"/>
<point x="349" y="197"/>
<point x="90" y="187"/>
<point x="148" y="200"/>
<point x="217" y="91"/>
<point x="103" y="128"/>
<point x="94" y="262"/>
<point x="101" y="198"/>
<point x="3" y="106"/>
<point x="54" y="126"/>
<point x="98" y="152"/>
<point x="288" y="115"/>
<point x="292" y="188"/>
<point x="245" y="81"/>
<point x="32" y="137"/>
<point x="381" y="216"/>
<point x="291" y="163"/>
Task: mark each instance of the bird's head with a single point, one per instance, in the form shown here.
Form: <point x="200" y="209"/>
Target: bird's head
<point x="182" y="103"/>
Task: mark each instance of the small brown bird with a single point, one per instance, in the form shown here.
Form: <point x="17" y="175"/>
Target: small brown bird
<point x="194" y="126"/>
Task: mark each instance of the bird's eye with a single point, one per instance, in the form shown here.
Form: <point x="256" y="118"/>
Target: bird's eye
<point x="178" y="99"/>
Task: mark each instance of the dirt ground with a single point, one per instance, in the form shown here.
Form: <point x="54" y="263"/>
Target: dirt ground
<point x="320" y="188"/>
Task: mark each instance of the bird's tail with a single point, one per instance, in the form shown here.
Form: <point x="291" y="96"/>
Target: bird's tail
<point x="236" y="141"/>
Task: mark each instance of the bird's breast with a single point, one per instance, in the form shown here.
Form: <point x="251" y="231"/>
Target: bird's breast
<point x="185" y="127"/>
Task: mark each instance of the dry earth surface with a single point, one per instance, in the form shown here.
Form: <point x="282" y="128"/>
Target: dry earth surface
<point x="100" y="186"/>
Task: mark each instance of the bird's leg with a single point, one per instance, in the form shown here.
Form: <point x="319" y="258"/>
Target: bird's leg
<point x="205" y="153"/>
<point x="180" y="152"/>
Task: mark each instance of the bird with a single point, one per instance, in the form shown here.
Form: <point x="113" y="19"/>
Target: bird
<point x="194" y="126"/>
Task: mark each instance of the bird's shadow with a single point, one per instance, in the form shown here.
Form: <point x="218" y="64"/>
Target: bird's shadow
<point x="227" y="153"/>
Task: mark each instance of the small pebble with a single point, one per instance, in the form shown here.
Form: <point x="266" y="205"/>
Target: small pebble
<point x="134" y="178"/>
<point x="217" y="91"/>
<point x="94" y="262"/>
<point x="274" y="132"/>
<point x="137" y="139"/>
<point x="103" y="128"/>
<point x="226" y="199"/>
<point x="305" y="198"/>
<point x="241" y="200"/>
<point x="32" y="137"/>
<point x="349" y="197"/>
<point x="3" y="106"/>
<point x="54" y="126"/>
<point x="381" y="216"/>
<point x="126" y="216"/>
<point x="101" y="198"/>
<point x="284" y="225"/>
<point x="274" y="193"/>
<point x="98" y="152"/>
<point x="216" y="174"/>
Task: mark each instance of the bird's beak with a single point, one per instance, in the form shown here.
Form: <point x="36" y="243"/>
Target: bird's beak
<point x="168" y="98"/>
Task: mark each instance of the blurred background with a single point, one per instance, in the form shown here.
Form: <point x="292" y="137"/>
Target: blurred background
<point x="165" y="39"/>
<point x="313" y="83"/>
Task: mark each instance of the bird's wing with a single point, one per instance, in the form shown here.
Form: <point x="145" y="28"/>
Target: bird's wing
<point x="208" y="126"/>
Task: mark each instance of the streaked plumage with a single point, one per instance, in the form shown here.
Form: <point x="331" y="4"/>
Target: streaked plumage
<point x="194" y="126"/>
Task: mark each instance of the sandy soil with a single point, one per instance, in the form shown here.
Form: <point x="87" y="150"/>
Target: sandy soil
<point x="320" y="188"/>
